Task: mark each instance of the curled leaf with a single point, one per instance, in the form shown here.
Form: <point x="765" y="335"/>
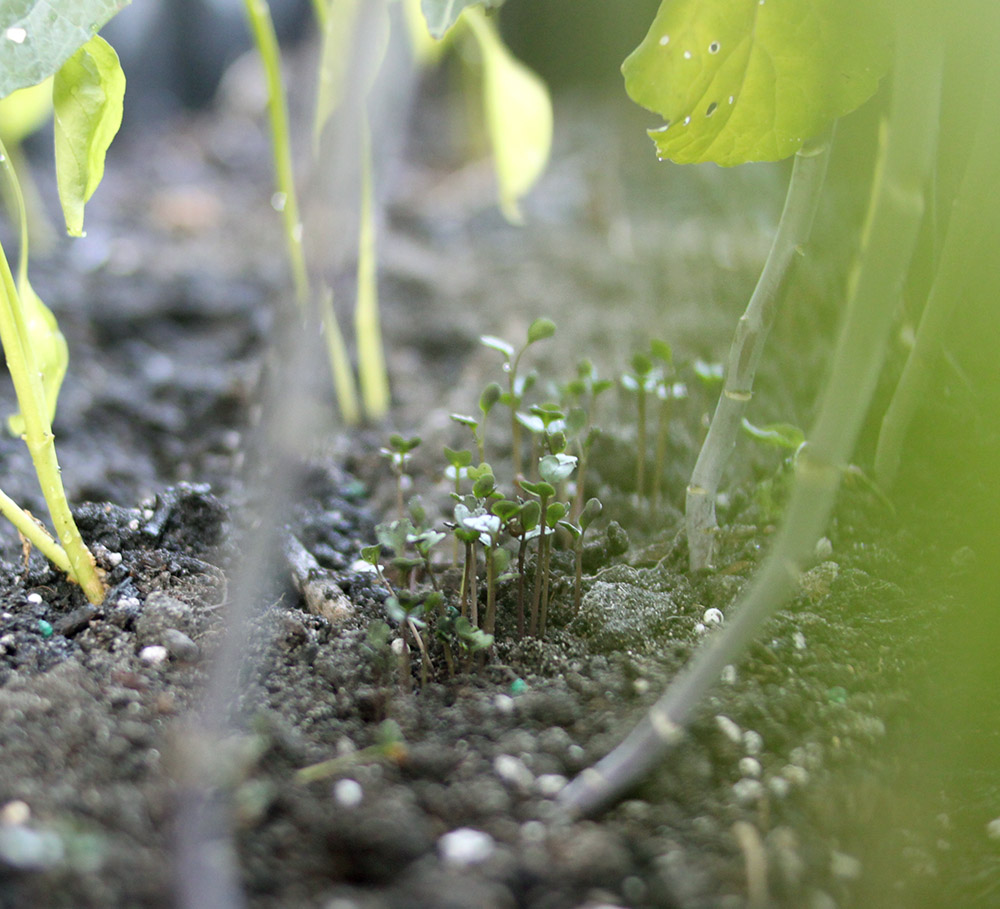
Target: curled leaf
<point x="87" y="95"/>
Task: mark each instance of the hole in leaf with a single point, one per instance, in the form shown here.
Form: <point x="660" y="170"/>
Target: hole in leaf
<point x="687" y="55"/>
<point x="713" y="48"/>
<point x="711" y="109"/>
<point x="664" y="40"/>
<point x="687" y="120"/>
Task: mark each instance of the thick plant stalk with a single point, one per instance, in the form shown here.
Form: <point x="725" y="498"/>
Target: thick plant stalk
<point x="804" y="189"/>
<point x="963" y="245"/>
<point x="894" y="217"/>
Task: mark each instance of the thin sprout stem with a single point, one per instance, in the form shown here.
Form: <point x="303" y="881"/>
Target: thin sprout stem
<point x="344" y="385"/>
<point x="894" y="216"/>
<point x="372" y="373"/>
<point x="34" y="533"/>
<point x="262" y="27"/>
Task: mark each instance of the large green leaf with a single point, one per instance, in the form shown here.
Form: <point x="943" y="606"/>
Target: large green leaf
<point x="87" y="96"/>
<point x="38" y="36"/>
<point x="441" y="14"/>
<point x="751" y="80"/>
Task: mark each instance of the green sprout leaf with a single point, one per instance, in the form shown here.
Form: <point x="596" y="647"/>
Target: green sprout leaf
<point x="555" y="468"/>
<point x="38" y="36"/>
<point x="745" y="80"/>
<point x="780" y="435"/>
<point x="87" y="95"/>
<point x="541" y="329"/>
<point x="498" y="344"/>
<point x="441" y="14"/>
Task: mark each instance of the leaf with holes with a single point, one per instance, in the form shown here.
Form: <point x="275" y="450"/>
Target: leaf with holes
<point x="751" y="80"/>
<point x="38" y="36"/>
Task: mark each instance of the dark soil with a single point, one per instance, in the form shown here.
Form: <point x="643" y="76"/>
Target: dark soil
<point x="791" y="787"/>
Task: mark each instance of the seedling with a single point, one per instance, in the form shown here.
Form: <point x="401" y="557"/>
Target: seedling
<point x="642" y="383"/>
<point x="517" y="385"/>
<point x="553" y="469"/>
<point x="398" y="453"/>
<point x="87" y="96"/>
<point x="845" y="60"/>
<point x="407" y="610"/>
<point x="584" y="390"/>
<point x="587" y="517"/>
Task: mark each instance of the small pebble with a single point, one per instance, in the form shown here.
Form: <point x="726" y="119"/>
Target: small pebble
<point x="753" y="742"/>
<point x="750" y="767"/>
<point x="154" y="654"/>
<point x="180" y="646"/>
<point x="728" y="675"/>
<point x="824" y="548"/>
<point x="34" y="599"/>
<point x="779" y="786"/>
<point x="504" y="704"/>
<point x="348" y="793"/>
<point x="713" y="616"/>
<point x="748" y="791"/>
<point x="729" y="729"/>
<point x="15" y="812"/>
<point x="799" y="640"/>
<point x="844" y="866"/>
<point x="796" y="775"/>
<point x="465" y="846"/>
<point x="549" y="785"/>
<point x="993" y="829"/>
<point x="513" y="771"/>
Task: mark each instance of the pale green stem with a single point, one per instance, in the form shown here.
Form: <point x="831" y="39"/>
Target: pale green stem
<point x="321" y="11"/>
<point x="34" y="533"/>
<point x="963" y="245"/>
<point x="372" y="373"/>
<point x="262" y="27"/>
<point x="30" y="392"/>
<point x="804" y="189"/>
<point x="340" y="364"/>
<point x="894" y="217"/>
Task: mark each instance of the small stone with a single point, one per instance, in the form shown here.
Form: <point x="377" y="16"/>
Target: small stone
<point x="728" y="675"/>
<point x="465" y="846"/>
<point x="513" y="771"/>
<point x="993" y="829"/>
<point x="15" y="812"/>
<point x="753" y="742"/>
<point x="159" y="612"/>
<point x="154" y="654"/>
<point x="824" y="548"/>
<point x="180" y="646"/>
<point x="796" y="775"/>
<point x="750" y="767"/>
<point x="34" y="599"/>
<point x="844" y="866"/>
<point x="779" y="786"/>
<point x="713" y="616"/>
<point x="549" y="785"/>
<point x="503" y="704"/>
<point x="729" y="729"/>
<point x="748" y="791"/>
<point x="348" y="793"/>
<point x="799" y="640"/>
